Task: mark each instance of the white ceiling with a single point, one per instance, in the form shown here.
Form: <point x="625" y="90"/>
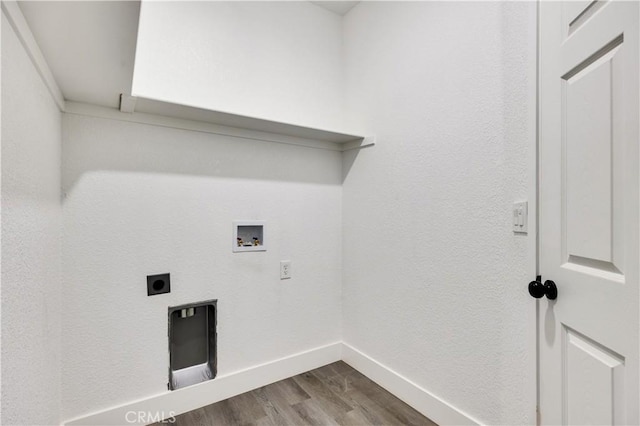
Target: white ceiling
<point x="90" y="45"/>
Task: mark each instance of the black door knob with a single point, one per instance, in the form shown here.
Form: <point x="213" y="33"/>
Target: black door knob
<point x="549" y="289"/>
<point x="536" y="289"/>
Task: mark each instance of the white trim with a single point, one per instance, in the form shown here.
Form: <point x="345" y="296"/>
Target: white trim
<point x="79" y="108"/>
<point x="532" y="247"/>
<point x="222" y="387"/>
<point x="218" y="389"/>
<point x="438" y="410"/>
<point x="19" y="24"/>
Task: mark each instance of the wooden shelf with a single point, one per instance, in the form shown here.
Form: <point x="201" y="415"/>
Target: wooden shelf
<point x="150" y="106"/>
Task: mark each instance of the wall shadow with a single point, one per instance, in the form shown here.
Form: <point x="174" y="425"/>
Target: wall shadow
<point x="93" y="144"/>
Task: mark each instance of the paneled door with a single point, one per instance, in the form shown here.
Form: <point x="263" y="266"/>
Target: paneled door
<point x="588" y="213"/>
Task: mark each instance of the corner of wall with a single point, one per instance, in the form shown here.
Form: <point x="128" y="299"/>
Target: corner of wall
<point x="12" y="12"/>
<point x="31" y="233"/>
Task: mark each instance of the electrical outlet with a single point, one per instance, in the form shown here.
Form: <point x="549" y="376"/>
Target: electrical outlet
<point x="285" y="269"/>
<point x="158" y="284"/>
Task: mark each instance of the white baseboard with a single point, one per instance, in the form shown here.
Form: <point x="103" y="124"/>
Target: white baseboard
<point x="167" y="404"/>
<point x="222" y="387"/>
<point x="420" y="399"/>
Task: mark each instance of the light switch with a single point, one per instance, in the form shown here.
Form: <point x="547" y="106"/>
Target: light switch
<point x="520" y="217"/>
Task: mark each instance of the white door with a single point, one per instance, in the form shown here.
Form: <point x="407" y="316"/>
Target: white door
<point x="589" y="215"/>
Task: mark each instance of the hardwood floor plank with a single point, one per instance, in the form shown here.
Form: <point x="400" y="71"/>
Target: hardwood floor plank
<point x="355" y="417"/>
<point x="401" y="411"/>
<point x="246" y="408"/>
<point x="192" y="418"/>
<point x="376" y="402"/>
<point x="337" y="382"/>
<point x="341" y="367"/>
<point x="312" y="414"/>
<point x="278" y="410"/>
<point x="341" y="385"/>
<point x="331" y="403"/>
<point x="222" y="414"/>
<point x="272" y="412"/>
<point x="328" y="370"/>
<point x="291" y="391"/>
<point x="335" y="394"/>
<point x="375" y="413"/>
<point x="265" y="421"/>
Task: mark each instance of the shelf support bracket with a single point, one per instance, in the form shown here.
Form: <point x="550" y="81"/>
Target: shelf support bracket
<point x="127" y="103"/>
<point x="366" y="142"/>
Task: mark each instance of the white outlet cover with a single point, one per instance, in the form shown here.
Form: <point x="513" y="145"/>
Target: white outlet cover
<point x="285" y="269"/>
<point x="520" y="217"/>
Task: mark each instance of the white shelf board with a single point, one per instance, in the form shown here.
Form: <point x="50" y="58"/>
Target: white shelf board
<point x="167" y="109"/>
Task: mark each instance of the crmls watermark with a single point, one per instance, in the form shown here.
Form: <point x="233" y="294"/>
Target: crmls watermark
<point x="146" y="417"/>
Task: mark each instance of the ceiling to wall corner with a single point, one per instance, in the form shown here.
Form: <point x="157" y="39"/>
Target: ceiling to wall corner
<point x="89" y="46"/>
<point x="339" y="7"/>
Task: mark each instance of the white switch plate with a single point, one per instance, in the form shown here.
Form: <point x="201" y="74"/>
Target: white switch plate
<point x="520" y="217"/>
<point x="285" y="269"/>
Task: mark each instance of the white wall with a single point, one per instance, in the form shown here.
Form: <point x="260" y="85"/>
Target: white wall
<point x="31" y="221"/>
<point x="434" y="280"/>
<point x="275" y="60"/>
<point x="140" y="200"/>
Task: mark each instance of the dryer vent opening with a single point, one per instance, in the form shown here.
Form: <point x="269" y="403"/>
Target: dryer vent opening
<point x="192" y="344"/>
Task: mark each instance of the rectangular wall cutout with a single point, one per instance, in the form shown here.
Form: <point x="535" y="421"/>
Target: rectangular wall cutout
<point x="192" y="343"/>
<point x="249" y="235"/>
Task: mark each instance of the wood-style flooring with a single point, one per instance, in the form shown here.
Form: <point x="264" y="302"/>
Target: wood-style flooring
<point x="335" y="394"/>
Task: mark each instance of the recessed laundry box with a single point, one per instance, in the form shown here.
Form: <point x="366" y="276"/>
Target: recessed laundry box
<point x="192" y="343"/>
<point x="249" y="235"/>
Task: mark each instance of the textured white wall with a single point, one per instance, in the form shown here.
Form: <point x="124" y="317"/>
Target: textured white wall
<point x="31" y="223"/>
<point x="276" y="60"/>
<point x="434" y="280"/>
<point x="142" y="200"/>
